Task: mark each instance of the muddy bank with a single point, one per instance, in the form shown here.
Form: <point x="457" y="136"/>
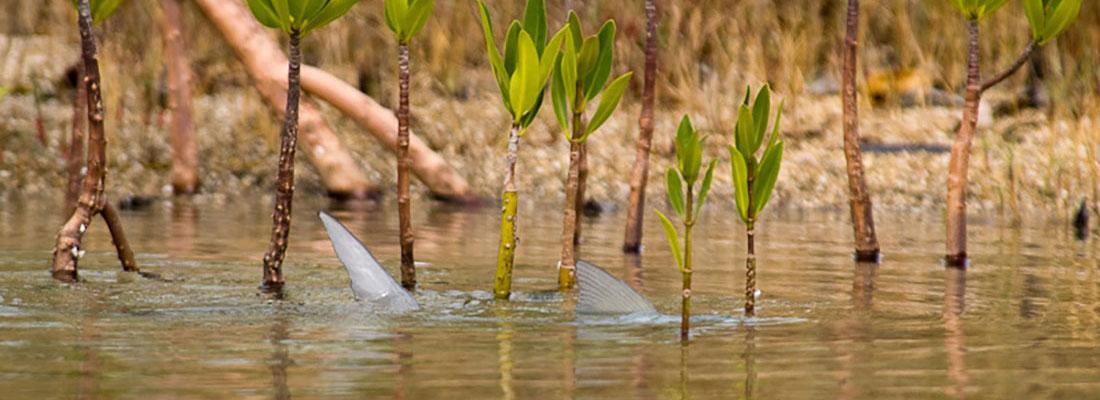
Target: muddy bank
<point x="1023" y="162"/>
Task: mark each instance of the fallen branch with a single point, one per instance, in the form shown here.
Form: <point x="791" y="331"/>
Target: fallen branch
<point x="262" y="59"/>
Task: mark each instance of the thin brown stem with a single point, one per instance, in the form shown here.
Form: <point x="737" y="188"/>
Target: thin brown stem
<point x="689" y="260"/>
<point x="863" y="221"/>
<point x="74" y="155"/>
<point x="118" y="237"/>
<point x="1011" y="70"/>
<point x="284" y="188"/>
<point x="635" y="212"/>
<point x="404" y="206"/>
<point x="91" y="201"/>
<point x="582" y="187"/>
<point x="750" y="240"/>
<point x="567" y="270"/>
<point x="960" y="154"/>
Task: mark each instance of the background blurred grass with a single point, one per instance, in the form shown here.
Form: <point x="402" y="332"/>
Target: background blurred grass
<point x="709" y="47"/>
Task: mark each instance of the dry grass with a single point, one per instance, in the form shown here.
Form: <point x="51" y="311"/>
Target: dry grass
<point x="1030" y="161"/>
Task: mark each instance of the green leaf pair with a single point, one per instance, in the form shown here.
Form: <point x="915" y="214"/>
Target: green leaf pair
<point x="689" y="149"/>
<point x="406" y="18"/>
<point x="302" y="16"/>
<point x="977" y="9"/>
<point x="580" y="75"/>
<point x="1049" y="18"/>
<point x="101" y="9"/>
<point x="754" y="179"/>
<point x="525" y="67"/>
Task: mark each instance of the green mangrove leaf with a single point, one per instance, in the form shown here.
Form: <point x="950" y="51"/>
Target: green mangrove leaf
<point x="586" y="60"/>
<point x="685" y="134"/>
<point x="534" y="22"/>
<point x="574" y="25"/>
<point x="705" y="189"/>
<point x="529" y="117"/>
<point x="608" y="103"/>
<point x="769" y="173"/>
<point x="329" y="12"/>
<point x="558" y="99"/>
<point x="511" y="47"/>
<point x="1063" y="14"/>
<point x="675" y="189"/>
<point x="596" y="78"/>
<point x="568" y="67"/>
<point x="417" y="18"/>
<point x="495" y="60"/>
<point x="977" y="9"/>
<point x="394" y="11"/>
<point x="740" y="182"/>
<point x="549" y="54"/>
<point x="778" y="120"/>
<point x="673" y="239"/>
<point x="297" y="10"/>
<point x="525" y="84"/>
<point x="744" y="131"/>
<point x="761" y="112"/>
<point x="1036" y="17"/>
<point x="265" y="13"/>
<point x="101" y="9"/>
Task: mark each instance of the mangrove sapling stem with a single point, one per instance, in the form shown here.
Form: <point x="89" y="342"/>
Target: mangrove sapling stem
<point x="74" y="156"/>
<point x="863" y="221"/>
<point x="750" y="241"/>
<point x="118" y="236"/>
<point x="960" y="153"/>
<point x="582" y="187"/>
<point x="689" y="223"/>
<point x="284" y="189"/>
<point x="91" y="201"/>
<point x="506" y="253"/>
<point x="567" y="271"/>
<point x="185" y="178"/>
<point x="404" y="209"/>
<point x="635" y="212"/>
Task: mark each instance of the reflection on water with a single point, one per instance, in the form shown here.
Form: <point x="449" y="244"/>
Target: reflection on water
<point x="954" y="342"/>
<point x="280" y="356"/>
<point x="1023" y="322"/>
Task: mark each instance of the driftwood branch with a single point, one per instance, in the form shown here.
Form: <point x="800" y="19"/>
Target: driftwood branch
<point x="380" y="122"/>
<point x="264" y="61"/>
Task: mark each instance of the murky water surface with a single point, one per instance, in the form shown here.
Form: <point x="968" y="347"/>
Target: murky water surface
<point x="1022" y="322"/>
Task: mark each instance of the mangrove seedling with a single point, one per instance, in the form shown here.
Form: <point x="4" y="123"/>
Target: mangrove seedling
<point x="405" y="18"/>
<point x="579" y="77"/>
<point x="859" y="198"/>
<point x="681" y="194"/>
<point x="91" y="201"/>
<point x="754" y="178"/>
<point x="296" y="18"/>
<point x="521" y="74"/>
<point x="635" y="215"/>
<point x="1048" y="19"/>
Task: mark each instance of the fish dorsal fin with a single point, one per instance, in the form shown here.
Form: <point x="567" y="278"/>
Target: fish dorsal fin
<point x="602" y="293"/>
<point x="369" y="281"/>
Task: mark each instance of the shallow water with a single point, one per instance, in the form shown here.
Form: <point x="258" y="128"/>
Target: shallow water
<point x="1022" y="322"/>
